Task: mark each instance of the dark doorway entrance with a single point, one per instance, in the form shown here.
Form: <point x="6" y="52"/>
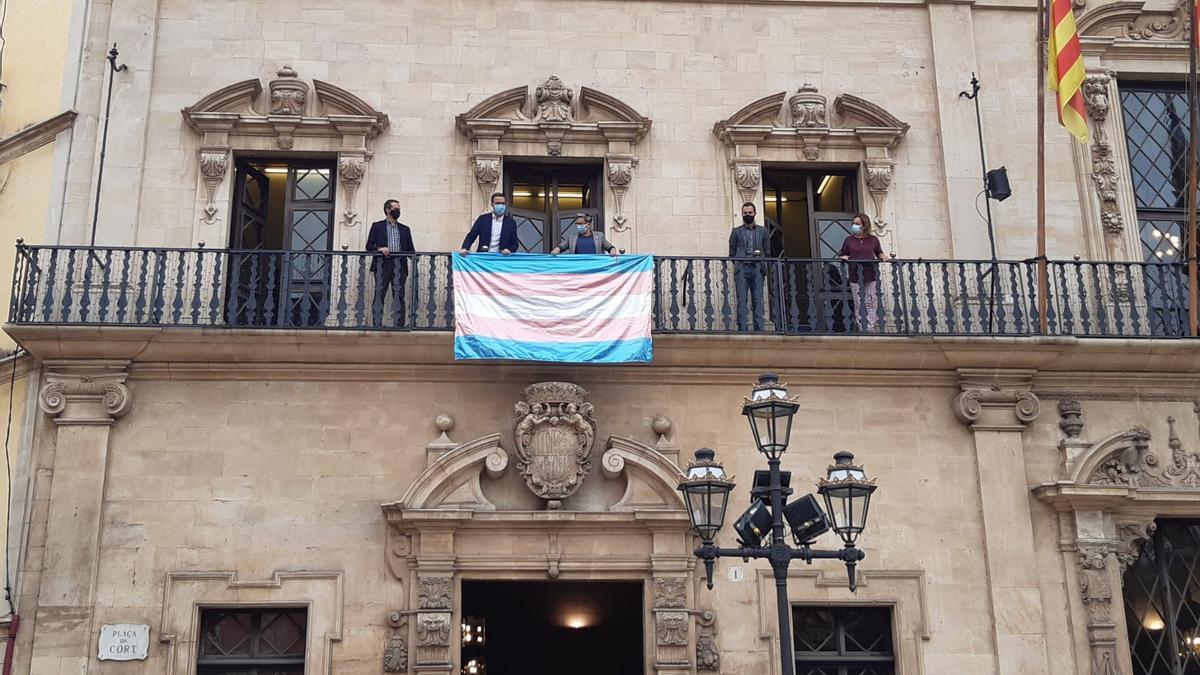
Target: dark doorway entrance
<point x="549" y="628"/>
<point x="546" y="198"/>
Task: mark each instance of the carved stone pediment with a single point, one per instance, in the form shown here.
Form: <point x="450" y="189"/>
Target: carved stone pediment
<point x="783" y="119"/>
<point x="1130" y="20"/>
<point x="554" y="114"/>
<point x="291" y="107"/>
<point x="803" y="126"/>
<point x="1138" y="465"/>
<point x="554" y="433"/>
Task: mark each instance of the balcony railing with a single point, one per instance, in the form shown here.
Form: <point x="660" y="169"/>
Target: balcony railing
<point x="58" y="285"/>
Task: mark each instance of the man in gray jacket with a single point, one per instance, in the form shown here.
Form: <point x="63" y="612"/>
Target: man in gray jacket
<point x="749" y="240"/>
<point x="582" y="239"/>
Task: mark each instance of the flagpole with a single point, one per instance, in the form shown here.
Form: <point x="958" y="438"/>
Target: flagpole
<point x="1043" y="286"/>
<point x="1192" y="169"/>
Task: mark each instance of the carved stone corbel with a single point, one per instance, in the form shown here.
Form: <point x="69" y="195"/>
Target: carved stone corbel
<point x="619" y="169"/>
<point x="1131" y="535"/>
<point x="879" y="180"/>
<point x="747" y="175"/>
<point x="996" y="408"/>
<point x="708" y="657"/>
<point x="395" y="652"/>
<point x="85" y="399"/>
<point x="351" y="168"/>
<point x="1095" y="590"/>
<point x="487" y="172"/>
<point x="289" y="94"/>
<point x="214" y="164"/>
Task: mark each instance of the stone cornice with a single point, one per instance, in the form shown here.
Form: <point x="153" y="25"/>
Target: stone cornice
<point x="35" y="136"/>
<point x="85" y="395"/>
<point x="1061" y="364"/>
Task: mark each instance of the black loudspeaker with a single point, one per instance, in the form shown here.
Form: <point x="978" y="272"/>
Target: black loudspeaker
<point x="754" y="524"/>
<point x="997" y="184"/>
<point x="762" y="484"/>
<point x="806" y="519"/>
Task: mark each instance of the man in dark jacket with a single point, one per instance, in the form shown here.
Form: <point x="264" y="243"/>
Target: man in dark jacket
<point x="390" y="239"/>
<point x="496" y="230"/>
<point x="749" y="240"/>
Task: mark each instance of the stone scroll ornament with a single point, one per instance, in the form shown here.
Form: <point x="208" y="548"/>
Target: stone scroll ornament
<point x="554" y="433"/>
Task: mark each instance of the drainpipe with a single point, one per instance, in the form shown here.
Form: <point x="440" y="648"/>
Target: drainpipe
<point x="9" y="648"/>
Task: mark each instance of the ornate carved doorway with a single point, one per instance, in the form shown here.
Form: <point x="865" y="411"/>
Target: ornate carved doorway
<point x="564" y="512"/>
<point x="552" y="627"/>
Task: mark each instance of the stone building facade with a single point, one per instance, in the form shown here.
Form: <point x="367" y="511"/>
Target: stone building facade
<point x="178" y="469"/>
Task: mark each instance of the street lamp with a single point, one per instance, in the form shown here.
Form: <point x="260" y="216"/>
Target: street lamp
<point x="846" y="491"/>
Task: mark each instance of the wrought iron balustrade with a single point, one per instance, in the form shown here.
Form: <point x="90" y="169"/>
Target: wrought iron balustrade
<point x="61" y="285"/>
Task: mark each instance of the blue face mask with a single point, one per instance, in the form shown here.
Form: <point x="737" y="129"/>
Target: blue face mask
<point x="581" y="228"/>
<point x="498" y="209"/>
<point x="856" y="229"/>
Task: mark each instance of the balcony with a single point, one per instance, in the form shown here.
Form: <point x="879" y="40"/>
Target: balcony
<point x="210" y="288"/>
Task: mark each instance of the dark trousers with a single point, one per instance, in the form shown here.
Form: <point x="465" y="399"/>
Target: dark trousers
<point x="748" y="278"/>
<point x="390" y="279"/>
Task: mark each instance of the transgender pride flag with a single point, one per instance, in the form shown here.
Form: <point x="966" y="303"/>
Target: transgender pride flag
<point x="566" y="309"/>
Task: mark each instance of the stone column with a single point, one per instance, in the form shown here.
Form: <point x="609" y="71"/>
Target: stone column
<point x="84" y="403"/>
<point x="997" y="407"/>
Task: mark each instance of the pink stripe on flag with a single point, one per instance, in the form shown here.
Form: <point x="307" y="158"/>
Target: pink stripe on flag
<point x="565" y="285"/>
<point x="558" y="330"/>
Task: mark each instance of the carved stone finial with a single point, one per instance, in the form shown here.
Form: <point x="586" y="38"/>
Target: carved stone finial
<point x="1070" y="413"/>
<point x="553" y="101"/>
<point x="288" y="94"/>
<point x="554" y="433"/>
<point x="661" y="425"/>
<point x="808" y="108"/>
<point x="85" y="399"/>
<point x="444" y="422"/>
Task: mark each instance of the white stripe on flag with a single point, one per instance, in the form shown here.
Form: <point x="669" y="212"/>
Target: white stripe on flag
<point x="595" y="307"/>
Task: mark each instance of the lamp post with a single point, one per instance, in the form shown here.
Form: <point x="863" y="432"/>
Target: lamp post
<point x="845" y="489"/>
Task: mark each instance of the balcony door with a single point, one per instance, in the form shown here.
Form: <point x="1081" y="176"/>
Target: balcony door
<point x="282" y="222"/>
<point x="808" y="214"/>
<point x="546" y="198"/>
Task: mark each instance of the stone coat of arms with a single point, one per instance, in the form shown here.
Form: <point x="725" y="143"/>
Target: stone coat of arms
<point x="554" y="433"/>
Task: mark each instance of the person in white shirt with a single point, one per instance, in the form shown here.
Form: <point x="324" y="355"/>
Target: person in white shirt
<point x="495" y="231"/>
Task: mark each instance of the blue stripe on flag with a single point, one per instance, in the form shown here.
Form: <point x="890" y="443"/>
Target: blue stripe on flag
<point x="618" y="351"/>
<point x="541" y="263"/>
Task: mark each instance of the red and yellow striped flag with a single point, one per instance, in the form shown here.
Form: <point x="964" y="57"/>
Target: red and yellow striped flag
<point x="1066" y="69"/>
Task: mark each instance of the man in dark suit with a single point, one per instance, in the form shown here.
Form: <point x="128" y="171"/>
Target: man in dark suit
<point x="496" y="230"/>
<point x="389" y="239"/>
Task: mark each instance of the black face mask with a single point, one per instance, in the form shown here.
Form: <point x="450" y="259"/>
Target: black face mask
<point x="749" y="220"/>
<point x="394" y="213"/>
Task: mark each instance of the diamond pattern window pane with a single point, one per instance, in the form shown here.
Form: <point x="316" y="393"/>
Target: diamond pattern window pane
<point x="311" y="184"/>
<point x="1162" y="239"/>
<point x="252" y="641"/>
<point x="1162" y="601"/>
<point x="530" y="233"/>
<point x="843" y="640"/>
<point x="1156" y="131"/>
<point x="310" y="230"/>
<point x="831" y="232"/>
